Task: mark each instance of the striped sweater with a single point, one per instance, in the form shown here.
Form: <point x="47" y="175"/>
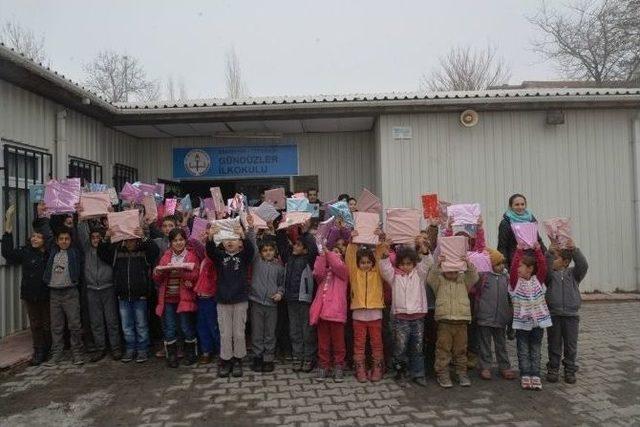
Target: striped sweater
<point x="528" y="296"/>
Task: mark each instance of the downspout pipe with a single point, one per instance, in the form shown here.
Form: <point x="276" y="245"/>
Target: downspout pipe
<point x="61" y="145"/>
<point x="635" y="144"/>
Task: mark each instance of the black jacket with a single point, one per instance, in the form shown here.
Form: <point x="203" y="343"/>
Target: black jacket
<point x="299" y="285"/>
<point x="33" y="262"/>
<point x="130" y="269"/>
<point x="507" y="244"/>
<point x="233" y="272"/>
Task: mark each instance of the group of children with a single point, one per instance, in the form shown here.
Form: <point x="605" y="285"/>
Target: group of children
<point x="338" y="297"/>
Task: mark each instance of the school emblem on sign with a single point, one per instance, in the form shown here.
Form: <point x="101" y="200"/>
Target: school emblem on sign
<point x="197" y="162"/>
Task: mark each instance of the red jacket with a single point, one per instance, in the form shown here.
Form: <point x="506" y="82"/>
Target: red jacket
<point x="188" y="280"/>
<point x="332" y="277"/>
<point x="207" y="283"/>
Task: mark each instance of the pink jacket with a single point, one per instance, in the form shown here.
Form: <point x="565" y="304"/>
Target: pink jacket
<point x="330" y="272"/>
<point x="409" y="292"/>
<point x="188" y="281"/>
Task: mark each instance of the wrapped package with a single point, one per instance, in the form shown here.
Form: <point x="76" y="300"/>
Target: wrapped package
<point x="454" y="250"/>
<point x="123" y="225"/>
<point x="62" y="196"/>
<point x="403" y="225"/>
<point x="94" y="205"/>
<point x="366" y="223"/>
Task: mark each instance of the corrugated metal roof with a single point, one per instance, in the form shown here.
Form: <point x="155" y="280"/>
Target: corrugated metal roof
<point x="375" y="97"/>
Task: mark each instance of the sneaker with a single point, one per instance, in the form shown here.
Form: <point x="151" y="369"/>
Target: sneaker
<point x="376" y="372"/>
<point x="485" y="374"/>
<point x="78" y="359"/>
<point x="307" y="366"/>
<point x="142" y="357"/>
<point x="116" y="354"/>
<point x="553" y="376"/>
<point x="464" y="380"/>
<point x="237" y="368"/>
<point x="338" y="374"/>
<point x="297" y="365"/>
<point x="97" y="356"/>
<point x="224" y="368"/>
<point x="268" y="366"/>
<point x="525" y="382"/>
<point x="508" y="374"/>
<point x="55" y="359"/>
<point x="321" y="374"/>
<point x="361" y="373"/>
<point x="204" y="359"/>
<point x="256" y="364"/>
<point x="129" y="355"/>
<point x="161" y="354"/>
<point x="536" y="384"/>
<point x="444" y="381"/>
<point x="421" y="381"/>
<point x="569" y="377"/>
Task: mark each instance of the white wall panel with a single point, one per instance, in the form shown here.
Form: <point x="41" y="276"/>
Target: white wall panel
<point x="581" y="169"/>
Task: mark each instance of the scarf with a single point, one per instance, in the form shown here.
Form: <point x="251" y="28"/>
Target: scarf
<point x="514" y="217"/>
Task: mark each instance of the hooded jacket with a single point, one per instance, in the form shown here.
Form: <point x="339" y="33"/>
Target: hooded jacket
<point x="493" y="307"/>
<point x="409" y="294"/>
<point x="331" y="274"/>
<point x="452" y="298"/>
<point x="98" y="274"/>
<point x="267" y="277"/>
<point x="299" y="283"/>
<point x="188" y="280"/>
<point x="366" y="286"/>
<point x="33" y="261"/>
<point x="233" y="272"/>
<point x="563" y="292"/>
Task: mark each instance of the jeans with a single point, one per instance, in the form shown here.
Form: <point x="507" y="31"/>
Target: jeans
<point x="486" y="335"/>
<point x="562" y="339"/>
<point x="360" y="331"/>
<point x="264" y="319"/>
<point x="65" y="304"/>
<point x="303" y="335"/>
<point x="103" y="312"/>
<point x="135" y="324"/>
<point x="207" y="325"/>
<point x="408" y="338"/>
<point x="170" y="319"/>
<point x="529" y="344"/>
<point x="331" y="337"/>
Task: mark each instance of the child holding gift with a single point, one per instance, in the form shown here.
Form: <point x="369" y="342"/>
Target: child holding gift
<point x="232" y="259"/>
<point x="563" y="298"/>
<point x="530" y="312"/>
<point x="176" y="297"/>
<point x="453" y="314"/>
<point x="367" y="302"/>
<point x="329" y="312"/>
<point x="409" y="307"/>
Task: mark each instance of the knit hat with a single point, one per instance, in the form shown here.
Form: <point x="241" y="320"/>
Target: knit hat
<point x="495" y="257"/>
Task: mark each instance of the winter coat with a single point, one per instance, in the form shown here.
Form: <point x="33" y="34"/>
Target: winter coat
<point x="233" y="272"/>
<point x="452" y="298"/>
<point x="563" y="294"/>
<point x="330" y="272"/>
<point x="97" y="273"/>
<point x="188" y="279"/>
<point x="507" y="243"/>
<point x="298" y="274"/>
<point x="409" y="294"/>
<point x="33" y="261"/>
<point x="492" y="305"/>
<point x="130" y="269"/>
<point x="267" y="278"/>
<point x="366" y="286"/>
<point x="207" y="284"/>
<point x="74" y="263"/>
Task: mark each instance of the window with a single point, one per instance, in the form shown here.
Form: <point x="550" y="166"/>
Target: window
<point x="87" y="170"/>
<point x="22" y="166"/>
<point x="122" y="174"/>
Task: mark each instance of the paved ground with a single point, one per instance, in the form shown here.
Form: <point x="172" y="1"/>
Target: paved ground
<point x="110" y="393"/>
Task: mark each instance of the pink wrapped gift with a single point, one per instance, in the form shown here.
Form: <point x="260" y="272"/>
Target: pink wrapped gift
<point x="62" y="196"/>
<point x="170" y="206"/>
<point x="147" y="189"/>
<point x="526" y="233"/>
<point x="403" y="225"/>
<point x="177" y="266"/>
<point x="227" y="229"/>
<point x="266" y="211"/>
<point x="481" y="261"/>
<point x="94" y="205"/>
<point x="466" y="213"/>
<point x="369" y="202"/>
<point x="131" y="194"/>
<point x="123" y="225"/>
<point x="199" y="227"/>
<point x="258" y="223"/>
<point x="366" y="223"/>
<point x="454" y="250"/>
<point x="276" y="197"/>
<point x="217" y="200"/>
<point x="559" y="229"/>
<point x="294" y="218"/>
<point x="150" y="208"/>
<point x="299" y="196"/>
<point x="324" y="228"/>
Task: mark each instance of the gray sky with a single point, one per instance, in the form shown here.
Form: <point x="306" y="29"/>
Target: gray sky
<point x="285" y="47"/>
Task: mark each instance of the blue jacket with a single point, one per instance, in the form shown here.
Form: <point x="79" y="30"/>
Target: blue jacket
<point x="75" y="264"/>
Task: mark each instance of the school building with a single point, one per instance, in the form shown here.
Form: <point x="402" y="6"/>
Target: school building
<point x="572" y="152"/>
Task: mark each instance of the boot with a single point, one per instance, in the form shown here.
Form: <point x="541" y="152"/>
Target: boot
<point x="224" y="368"/>
<point x="237" y="368"/>
<point x="39" y="356"/>
<point x="361" y="372"/>
<point x="376" y="372"/>
<point x="190" y="352"/>
<point x="552" y="375"/>
<point x="256" y="364"/>
<point x="171" y="350"/>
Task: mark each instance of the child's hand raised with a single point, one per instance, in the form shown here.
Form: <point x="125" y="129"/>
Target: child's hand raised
<point x="239" y="231"/>
<point x="276" y="297"/>
<point x="441" y="259"/>
<point x="250" y="220"/>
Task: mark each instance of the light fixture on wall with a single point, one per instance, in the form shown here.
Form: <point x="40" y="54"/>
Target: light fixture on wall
<point x="469" y="118"/>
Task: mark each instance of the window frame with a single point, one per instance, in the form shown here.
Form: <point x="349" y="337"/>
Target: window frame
<point x="92" y="166"/>
<point x="123" y="173"/>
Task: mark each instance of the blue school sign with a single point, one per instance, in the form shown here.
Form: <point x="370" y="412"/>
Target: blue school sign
<point x="235" y="162"/>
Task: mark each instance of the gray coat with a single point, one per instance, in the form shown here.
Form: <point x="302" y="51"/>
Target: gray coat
<point x="98" y="274"/>
<point x="563" y="294"/>
<point x="493" y="307"/>
<point x="267" y="278"/>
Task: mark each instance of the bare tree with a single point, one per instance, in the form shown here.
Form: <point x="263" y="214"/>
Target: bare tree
<point x="464" y="68"/>
<point x="120" y="78"/>
<point x="236" y="88"/>
<point x="595" y="40"/>
<point x="171" y="90"/>
<point x="23" y="40"/>
<point x="182" y="89"/>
